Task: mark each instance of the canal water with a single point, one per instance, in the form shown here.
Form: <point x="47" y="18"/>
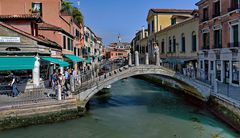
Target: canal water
<point x="134" y="109"/>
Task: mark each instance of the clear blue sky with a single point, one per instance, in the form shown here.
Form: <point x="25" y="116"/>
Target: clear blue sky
<point x="107" y="18"/>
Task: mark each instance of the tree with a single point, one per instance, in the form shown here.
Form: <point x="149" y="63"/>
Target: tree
<point x="77" y="15"/>
<point x="73" y="11"/>
<point x="66" y="7"/>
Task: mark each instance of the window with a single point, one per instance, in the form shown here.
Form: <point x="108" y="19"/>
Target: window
<point x="75" y="51"/>
<point x="89" y="49"/>
<point x="170" y="45"/>
<point x="217" y="38"/>
<point x="64" y="42"/>
<point x="183" y="43"/>
<point x="78" y="51"/>
<point x="77" y="33"/>
<point x="211" y="65"/>
<point x="153" y="26"/>
<point x="194" y="42"/>
<point x="234" y="5"/>
<point x="218" y="70"/>
<point x="174" y="44"/>
<point x="235" y="36"/>
<point x="162" y="46"/>
<point x="216" y="9"/>
<point x="69" y="44"/>
<point x="148" y="28"/>
<point x="235" y="72"/>
<point x="205" y="14"/>
<point x="173" y="21"/>
<point x="37" y="8"/>
<point x="206" y="41"/>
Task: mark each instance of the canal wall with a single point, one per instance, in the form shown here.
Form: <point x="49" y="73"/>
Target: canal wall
<point x="173" y="84"/>
<point x="39" y="113"/>
<point x="225" y="111"/>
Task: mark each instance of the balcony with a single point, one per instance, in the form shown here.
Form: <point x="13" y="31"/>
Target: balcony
<point x="234" y="44"/>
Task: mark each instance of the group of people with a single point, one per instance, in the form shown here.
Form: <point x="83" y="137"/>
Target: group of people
<point x="62" y="79"/>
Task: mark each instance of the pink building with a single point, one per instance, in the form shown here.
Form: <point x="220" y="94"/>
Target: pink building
<point x="219" y="41"/>
<point x="58" y="27"/>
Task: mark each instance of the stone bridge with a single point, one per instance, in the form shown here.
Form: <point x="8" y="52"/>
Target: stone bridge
<point x="88" y="89"/>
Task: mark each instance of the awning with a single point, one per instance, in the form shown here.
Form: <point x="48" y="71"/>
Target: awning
<point x="16" y="63"/>
<point x="89" y="60"/>
<point x="173" y="61"/>
<point x="74" y="58"/>
<point x="178" y="60"/>
<point x="56" y="61"/>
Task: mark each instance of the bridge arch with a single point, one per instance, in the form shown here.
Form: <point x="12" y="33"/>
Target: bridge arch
<point x="97" y="84"/>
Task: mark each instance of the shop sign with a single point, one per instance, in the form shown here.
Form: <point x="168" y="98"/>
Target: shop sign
<point x="6" y="39"/>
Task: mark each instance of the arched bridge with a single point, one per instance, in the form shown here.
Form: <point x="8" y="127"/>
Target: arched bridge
<point x="88" y="89"/>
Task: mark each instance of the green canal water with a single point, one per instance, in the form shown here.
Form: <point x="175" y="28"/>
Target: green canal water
<point x="134" y="109"/>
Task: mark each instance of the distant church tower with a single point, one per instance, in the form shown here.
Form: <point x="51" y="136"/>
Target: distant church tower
<point x="119" y="38"/>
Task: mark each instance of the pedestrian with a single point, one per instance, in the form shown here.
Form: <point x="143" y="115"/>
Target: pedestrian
<point x="75" y="74"/>
<point x="67" y="79"/>
<point x="13" y="84"/>
<point x="54" y="79"/>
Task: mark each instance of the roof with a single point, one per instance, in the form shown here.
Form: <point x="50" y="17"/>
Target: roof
<point x="172" y="11"/>
<point x="182" y="16"/>
<point x="46" y="26"/>
<point x="35" y="17"/>
<point x="200" y="2"/>
<point x="38" y="39"/>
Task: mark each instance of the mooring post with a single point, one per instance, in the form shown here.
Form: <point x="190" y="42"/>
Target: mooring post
<point x="59" y="92"/>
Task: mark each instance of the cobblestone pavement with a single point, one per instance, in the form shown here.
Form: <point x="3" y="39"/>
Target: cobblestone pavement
<point x="30" y="96"/>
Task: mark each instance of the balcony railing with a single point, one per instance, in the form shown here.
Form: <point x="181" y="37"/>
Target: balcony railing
<point x="234" y="44"/>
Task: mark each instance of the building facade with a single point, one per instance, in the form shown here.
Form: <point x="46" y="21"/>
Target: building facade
<point x="56" y="26"/>
<point x="219" y="37"/>
<point x="159" y="19"/>
<point x="117" y="50"/>
<point x="178" y="45"/>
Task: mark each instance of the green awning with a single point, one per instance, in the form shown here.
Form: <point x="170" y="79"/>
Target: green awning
<point x="16" y="63"/>
<point x="74" y="58"/>
<point x="173" y="61"/>
<point x="89" y="60"/>
<point x="56" y="61"/>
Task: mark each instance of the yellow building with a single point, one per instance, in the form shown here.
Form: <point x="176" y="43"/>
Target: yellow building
<point x="178" y="43"/>
<point x="159" y="19"/>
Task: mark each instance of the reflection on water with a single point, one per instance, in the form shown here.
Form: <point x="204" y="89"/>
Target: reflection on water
<point x="134" y="109"/>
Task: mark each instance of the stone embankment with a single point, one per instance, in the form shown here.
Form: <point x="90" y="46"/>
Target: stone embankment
<point x="39" y="113"/>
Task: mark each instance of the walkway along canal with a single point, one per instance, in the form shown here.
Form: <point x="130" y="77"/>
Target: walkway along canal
<point x="134" y="108"/>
